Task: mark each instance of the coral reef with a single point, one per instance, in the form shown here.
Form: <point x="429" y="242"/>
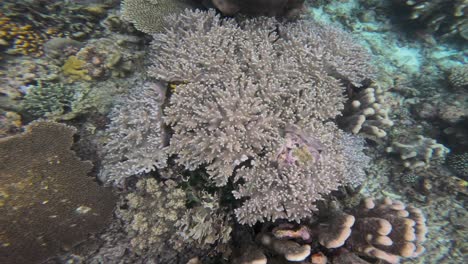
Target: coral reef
<point x="458" y="77"/>
<point x="205" y="225"/>
<point x="51" y="100"/>
<point x="263" y="96"/>
<point x="43" y="209"/>
<point x="459" y="164"/>
<point x="287" y="8"/>
<point x="74" y="69"/>
<point x="384" y="229"/>
<point x="27" y="25"/>
<point x="10" y="123"/>
<point x="445" y="18"/>
<point x="367" y="113"/>
<point x="420" y="152"/>
<point x="387" y="230"/>
<point x="148" y="15"/>
<point x="136" y="135"/>
<point x="150" y="214"/>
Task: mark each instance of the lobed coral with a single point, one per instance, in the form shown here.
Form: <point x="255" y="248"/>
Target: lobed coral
<point x="419" y="153"/>
<point x="383" y="229"/>
<point x="43" y="209"/>
<point x="367" y="113"/>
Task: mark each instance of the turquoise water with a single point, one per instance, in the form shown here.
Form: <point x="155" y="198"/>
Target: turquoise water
<point x="151" y="131"/>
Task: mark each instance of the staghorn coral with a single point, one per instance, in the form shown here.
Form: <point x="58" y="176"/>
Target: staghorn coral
<point x="419" y="153"/>
<point x="47" y="201"/>
<point x="50" y="100"/>
<point x="367" y="113"/>
<point x="137" y="137"/>
<point x="148" y="15"/>
<point x="237" y="94"/>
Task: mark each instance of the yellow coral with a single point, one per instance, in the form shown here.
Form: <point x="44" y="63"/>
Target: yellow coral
<point x="22" y="38"/>
<point x="74" y="68"/>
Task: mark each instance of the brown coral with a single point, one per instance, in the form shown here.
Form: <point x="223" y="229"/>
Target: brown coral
<point x="47" y="202"/>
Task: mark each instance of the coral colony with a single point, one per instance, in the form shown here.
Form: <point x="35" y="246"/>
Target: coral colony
<point x="233" y="131"/>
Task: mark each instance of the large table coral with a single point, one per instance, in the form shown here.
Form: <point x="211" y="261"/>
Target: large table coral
<point x="47" y="201"/>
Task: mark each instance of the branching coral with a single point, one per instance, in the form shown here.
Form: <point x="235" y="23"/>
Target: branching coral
<point x="42" y="205"/>
<point x="246" y="83"/>
<point x="150" y="214"/>
<point x="137" y="137"/>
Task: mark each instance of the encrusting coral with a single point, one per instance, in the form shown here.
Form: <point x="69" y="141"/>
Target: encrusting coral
<point x="42" y="206"/>
<point x="420" y="152"/>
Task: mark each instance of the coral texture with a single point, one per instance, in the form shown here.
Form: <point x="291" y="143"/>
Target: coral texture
<point x="137" y="142"/>
<point x="148" y="15"/>
<point x="388" y="230"/>
<point x="419" y="153"/>
<point x="42" y="206"/>
<point x="459" y="164"/>
<point x="446" y="18"/>
<point x="367" y="113"/>
<point x="205" y="225"/>
<point x="383" y="229"/>
<point x="150" y="214"/>
<point x="252" y="95"/>
<point x="458" y="77"/>
<point x="288" y="8"/>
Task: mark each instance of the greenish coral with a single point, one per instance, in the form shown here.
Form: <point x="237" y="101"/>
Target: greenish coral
<point x="42" y="206"/>
<point x="150" y="214"/>
<point x="74" y="69"/>
<point x="148" y="15"/>
<point x="205" y="225"/>
<point x="55" y="100"/>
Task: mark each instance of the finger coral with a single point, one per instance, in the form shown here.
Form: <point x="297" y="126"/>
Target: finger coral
<point x="42" y="206"/>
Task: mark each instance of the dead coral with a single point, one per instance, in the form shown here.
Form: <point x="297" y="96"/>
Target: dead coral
<point x="47" y="201"/>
